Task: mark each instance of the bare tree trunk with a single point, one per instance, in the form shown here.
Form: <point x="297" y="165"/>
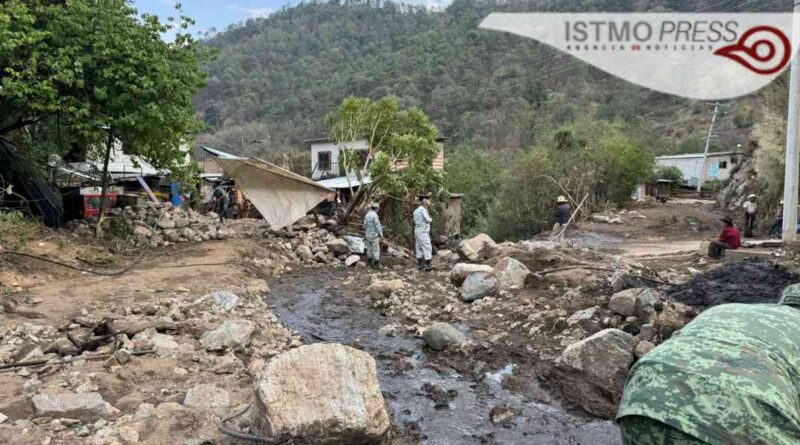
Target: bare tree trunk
<point x="109" y="145"/>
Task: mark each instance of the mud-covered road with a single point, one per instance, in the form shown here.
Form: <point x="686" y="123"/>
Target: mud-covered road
<point x="431" y="403"/>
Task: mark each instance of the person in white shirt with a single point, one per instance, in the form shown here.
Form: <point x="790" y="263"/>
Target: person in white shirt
<point x="749" y="215"/>
<point x="422" y="234"/>
<point x="373" y="232"/>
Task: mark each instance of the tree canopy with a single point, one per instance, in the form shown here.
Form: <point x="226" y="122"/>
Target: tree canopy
<point x="71" y="73"/>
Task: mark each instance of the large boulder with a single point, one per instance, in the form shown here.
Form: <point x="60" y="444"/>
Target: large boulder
<point x="323" y="394"/>
<point x="232" y="334"/>
<point x="511" y="273"/>
<point x="338" y="246"/>
<point x="595" y="369"/>
<point x="479" y="247"/>
<point x="440" y="336"/>
<point x="460" y="271"/>
<point x="355" y="244"/>
<point x="638" y="302"/>
<point x="87" y="407"/>
<point x="478" y="285"/>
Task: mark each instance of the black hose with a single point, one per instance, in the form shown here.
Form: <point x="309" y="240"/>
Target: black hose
<point x="244" y="436"/>
<point x="80" y="269"/>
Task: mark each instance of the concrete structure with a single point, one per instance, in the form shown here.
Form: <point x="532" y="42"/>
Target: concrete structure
<point x="718" y="165"/>
<point x="325" y="153"/>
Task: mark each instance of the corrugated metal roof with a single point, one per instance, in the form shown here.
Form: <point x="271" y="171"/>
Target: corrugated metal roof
<point x="344" y="182"/>
<point x="699" y="155"/>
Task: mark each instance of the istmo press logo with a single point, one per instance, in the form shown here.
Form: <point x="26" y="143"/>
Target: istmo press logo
<point x="709" y="56"/>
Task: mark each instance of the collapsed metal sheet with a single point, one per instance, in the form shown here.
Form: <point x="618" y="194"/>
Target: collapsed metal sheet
<point x="282" y="197"/>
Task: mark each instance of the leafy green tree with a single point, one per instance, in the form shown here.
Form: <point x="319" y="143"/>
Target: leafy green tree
<point x="399" y="158"/>
<point x="477" y="175"/>
<point x="100" y="74"/>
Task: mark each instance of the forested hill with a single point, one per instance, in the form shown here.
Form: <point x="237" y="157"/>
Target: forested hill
<point x="275" y="78"/>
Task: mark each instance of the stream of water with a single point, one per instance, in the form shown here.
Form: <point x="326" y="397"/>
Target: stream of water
<point x="406" y="378"/>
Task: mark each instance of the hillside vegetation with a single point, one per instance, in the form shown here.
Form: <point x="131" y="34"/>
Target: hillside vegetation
<point x="275" y="78"/>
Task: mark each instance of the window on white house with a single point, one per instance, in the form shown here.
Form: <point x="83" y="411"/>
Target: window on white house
<point x="324" y="161"/>
<point x="723" y="164"/>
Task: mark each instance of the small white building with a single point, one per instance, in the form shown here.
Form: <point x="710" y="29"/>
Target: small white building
<point x="325" y="157"/>
<point x="718" y="165"/>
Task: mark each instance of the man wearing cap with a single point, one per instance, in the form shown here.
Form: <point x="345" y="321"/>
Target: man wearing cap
<point x="749" y="215"/>
<point x="730" y="238"/>
<point x="422" y="235"/>
<point x="730" y="377"/>
<point x="373" y="232"/>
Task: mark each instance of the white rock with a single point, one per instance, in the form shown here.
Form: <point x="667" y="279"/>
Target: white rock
<point x="511" y="273"/>
<point x="322" y="393"/>
<point x="478" y="285"/>
<point x="460" y="271"/>
<point x="232" y="334"/>
<point x="88" y="407"/>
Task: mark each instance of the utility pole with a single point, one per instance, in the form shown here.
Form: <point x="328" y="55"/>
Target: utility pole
<point x="790" y="182"/>
<point x="704" y="167"/>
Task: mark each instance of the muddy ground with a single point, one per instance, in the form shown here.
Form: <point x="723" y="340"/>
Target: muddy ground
<point x="503" y="387"/>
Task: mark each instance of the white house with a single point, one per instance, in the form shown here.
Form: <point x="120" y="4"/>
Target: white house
<point x="325" y="157"/>
<point x="718" y="165"/>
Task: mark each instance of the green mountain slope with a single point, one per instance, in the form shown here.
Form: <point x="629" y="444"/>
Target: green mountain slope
<point x="276" y="77"/>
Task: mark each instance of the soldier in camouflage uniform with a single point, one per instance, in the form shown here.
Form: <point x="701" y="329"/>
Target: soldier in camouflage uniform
<point x="730" y="377"/>
<point x="373" y="232"/>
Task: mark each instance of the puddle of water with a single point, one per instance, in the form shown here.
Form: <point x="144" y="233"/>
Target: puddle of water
<point x="322" y="315"/>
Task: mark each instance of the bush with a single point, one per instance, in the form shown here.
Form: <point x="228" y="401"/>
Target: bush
<point x="475" y="174"/>
<point x="594" y="158"/>
<point x="670" y="173"/>
<point x="16" y="230"/>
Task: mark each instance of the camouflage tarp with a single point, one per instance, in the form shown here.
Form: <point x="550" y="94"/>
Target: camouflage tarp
<point x="728" y="377"/>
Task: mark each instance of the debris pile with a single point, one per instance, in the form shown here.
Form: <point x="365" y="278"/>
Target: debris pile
<point x="161" y="224"/>
<point x="752" y="281"/>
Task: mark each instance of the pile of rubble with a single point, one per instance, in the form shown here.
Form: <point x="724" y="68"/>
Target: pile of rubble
<point x="588" y="313"/>
<point x="166" y="368"/>
<point x="161" y="224"/>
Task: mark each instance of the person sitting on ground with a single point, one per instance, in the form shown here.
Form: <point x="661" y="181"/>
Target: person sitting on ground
<point x="749" y="215"/>
<point x="777" y="227"/>
<point x="730" y="238"/>
<point x="562" y="214"/>
<point x="729" y="377"/>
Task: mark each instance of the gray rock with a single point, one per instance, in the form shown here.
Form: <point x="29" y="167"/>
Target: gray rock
<point x="181" y="222"/>
<point x="460" y="271"/>
<point x="480" y="246"/>
<point x="440" y="336"/>
<point x="338" y="246"/>
<point x="304" y="253"/>
<point x="122" y="355"/>
<point x="163" y="344"/>
<point x="643" y="347"/>
<point x="223" y="300"/>
<point x="647" y="332"/>
<point x="232" y="334"/>
<point x="352" y="260"/>
<point x="166" y="223"/>
<point x="624" y="303"/>
<point x="209" y="398"/>
<point x="478" y="285"/>
<point x="87" y="407"/>
<point x="601" y="364"/>
<point x="582" y="317"/>
<point x="322" y="393"/>
<point x="355" y="244"/>
<point x="511" y="273"/>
